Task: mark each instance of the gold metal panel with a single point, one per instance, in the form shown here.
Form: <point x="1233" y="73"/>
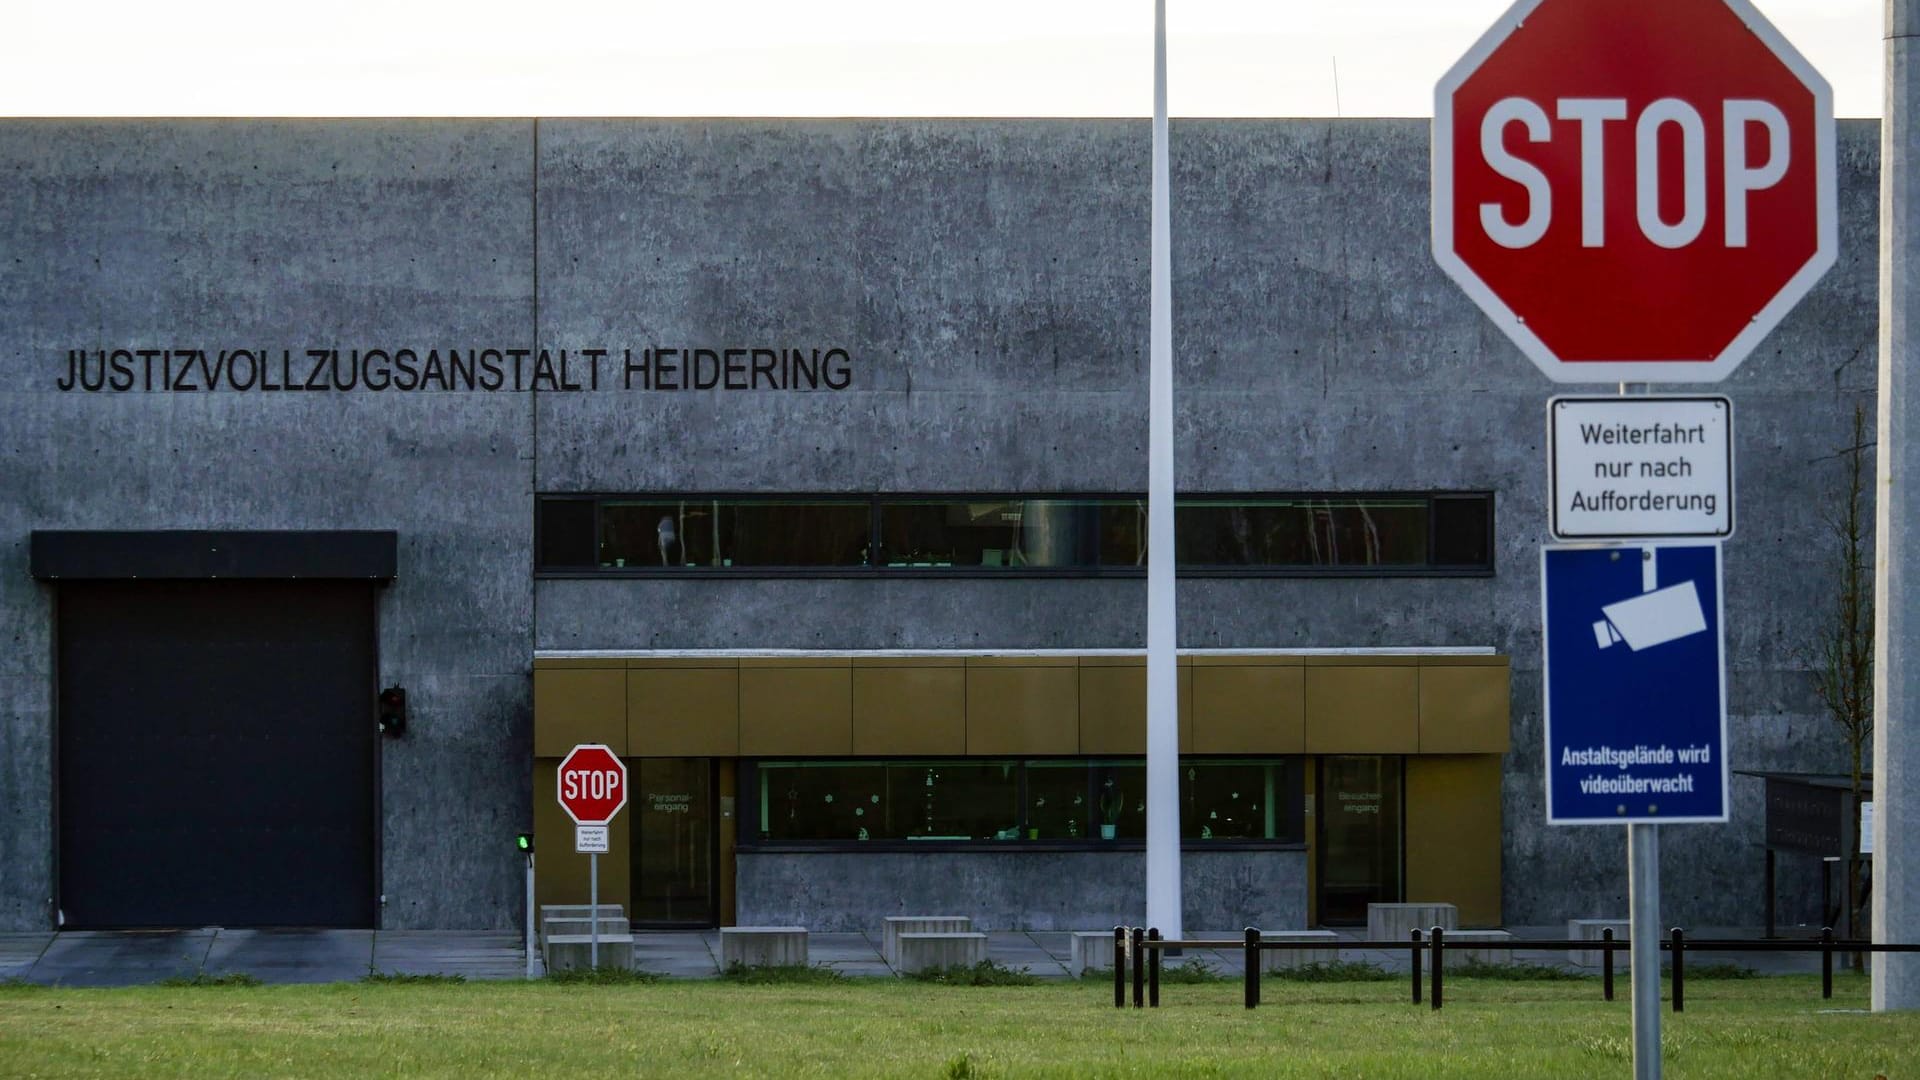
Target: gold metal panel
<point x="796" y="661"/>
<point x="1118" y="684"/>
<point x="954" y="660"/>
<point x="1249" y="709"/>
<point x="559" y="874"/>
<point x="1464" y="710"/>
<point x="578" y="705"/>
<point x="1186" y="710"/>
<point x="1362" y="710"/>
<point x="904" y="708"/>
<point x="1022" y="661"/>
<point x="540" y="662"/>
<point x="1364" y="660"/>
<point x="792" y="709"/>
<point x="683" y="712"/>
<point x="1453" y="834"/>
<point x="683" y="662"/>
<point x="1016" y="709"/>
<point x="1113" y="706"/>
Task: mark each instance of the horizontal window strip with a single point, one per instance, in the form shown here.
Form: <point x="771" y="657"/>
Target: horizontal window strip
<point x="1364" y="534"/>
<point x="996" y="801"/>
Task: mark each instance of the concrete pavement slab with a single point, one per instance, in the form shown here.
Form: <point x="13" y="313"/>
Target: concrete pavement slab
<point x="1017" y="951"/>
<point x="121" y="957"/>
<point x="685" y="954"/>
<point x="474" y="954"/>
<point x="854" y="955"/>
<point x="19" y="952"/>
<point x="292" y="956"/>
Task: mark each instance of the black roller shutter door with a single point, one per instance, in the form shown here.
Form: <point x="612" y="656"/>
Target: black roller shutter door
<point x="216" y="747"/>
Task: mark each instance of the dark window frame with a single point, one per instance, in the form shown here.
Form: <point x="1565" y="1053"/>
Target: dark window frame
<point x="876" y="501"/>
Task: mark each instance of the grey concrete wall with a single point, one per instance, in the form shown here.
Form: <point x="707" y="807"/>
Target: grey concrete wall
<point x="289" y="234"/>
<point x="989" y="279"/>
<point x="1015" y="890"/>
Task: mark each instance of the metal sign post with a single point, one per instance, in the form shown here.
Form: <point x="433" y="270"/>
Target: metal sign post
<point x="593" y="841"/>
<point x="1643" y="914"/>
<point x="592" y="785"/>
<point x="1622" y="282"/>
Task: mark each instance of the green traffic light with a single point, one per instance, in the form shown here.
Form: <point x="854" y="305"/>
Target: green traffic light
<point x="523" y="841"/>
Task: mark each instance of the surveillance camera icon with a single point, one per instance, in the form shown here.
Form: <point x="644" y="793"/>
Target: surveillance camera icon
<point x="1653" y="618"/>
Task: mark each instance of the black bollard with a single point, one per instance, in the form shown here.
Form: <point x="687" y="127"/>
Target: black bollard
<point x="1439" y="953"/>
<point x="1119" y="967"/>
<point x="1679" y="970"/>
<point x="1826" y="961"/>
<point x="1415" y="953"/>
<point x="1253" y="967"/>
<point x="1153" y="970"/>
<point x="1139" y="967"/>
<point x="1606" y="963"/>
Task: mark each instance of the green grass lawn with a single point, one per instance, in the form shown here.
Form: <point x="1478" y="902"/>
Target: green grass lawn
<point x="1509" y="1030"/>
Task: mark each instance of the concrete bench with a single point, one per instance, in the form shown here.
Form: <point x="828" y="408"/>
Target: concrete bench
<point x="578" y="911"/>
<point x="1327" y="950"/>
<point x="1090" y="950"/>
<point x="609" y="924"/>
<point x="894" y="925"/>
<point x="924" y="952"/>
<point x="1460" y="946"/>
<point x="574" y="952"/>
<point x="1590" y="930"/>
<point x="763" y="946"/>
<point x="1396" y="922"/>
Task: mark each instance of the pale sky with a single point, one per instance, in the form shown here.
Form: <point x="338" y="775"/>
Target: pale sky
<point x="783" y="57"/>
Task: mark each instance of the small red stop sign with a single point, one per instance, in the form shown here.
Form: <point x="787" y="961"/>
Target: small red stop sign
<point x="593" y="784"/>
<point x="1634" y="190"/>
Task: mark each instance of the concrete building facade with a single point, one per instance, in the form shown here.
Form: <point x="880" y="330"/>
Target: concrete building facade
<point x="972" y="297"/>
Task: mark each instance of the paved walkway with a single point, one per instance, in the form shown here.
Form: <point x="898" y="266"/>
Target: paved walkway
<point x="130" y="958"/>
<point x="133" y="958"/>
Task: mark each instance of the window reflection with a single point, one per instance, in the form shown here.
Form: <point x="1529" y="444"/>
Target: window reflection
<point x="1307" y="532"/>
<point x="1013" y="533"/>
<point x="721" y="533"/>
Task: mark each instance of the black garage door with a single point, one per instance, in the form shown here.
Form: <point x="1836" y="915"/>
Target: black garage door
<point x="216" y="754"/>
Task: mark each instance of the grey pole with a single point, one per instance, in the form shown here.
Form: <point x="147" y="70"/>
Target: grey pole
<point x="1163" y="694"/>
<point x="593" y="909"/>
<point x="1896" y="685"/>
<point x="1643" y="909"/>
<point x="530" y="914"/>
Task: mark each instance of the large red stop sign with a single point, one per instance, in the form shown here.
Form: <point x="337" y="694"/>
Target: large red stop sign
<point x="593" y="784"/>
<point x="1634" y="190"/>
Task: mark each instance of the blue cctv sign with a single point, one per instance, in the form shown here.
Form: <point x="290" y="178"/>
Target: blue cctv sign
<point x="1636" y="685"/>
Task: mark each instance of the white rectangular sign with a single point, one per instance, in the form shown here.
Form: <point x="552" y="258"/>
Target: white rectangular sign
<point x="1637" y="468"/>
<point x="1866" y="826"/>
<point x="590" y="839"/>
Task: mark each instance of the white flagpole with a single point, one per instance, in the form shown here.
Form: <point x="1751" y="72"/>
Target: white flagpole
<point x="1163" y="696"/>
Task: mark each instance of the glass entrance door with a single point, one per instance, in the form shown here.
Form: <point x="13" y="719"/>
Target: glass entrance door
<point x="1360" y="836"/>
<point x="673" y="842"/>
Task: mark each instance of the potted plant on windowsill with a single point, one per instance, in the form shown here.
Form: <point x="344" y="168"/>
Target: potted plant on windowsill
<point x="1112" y="801"/>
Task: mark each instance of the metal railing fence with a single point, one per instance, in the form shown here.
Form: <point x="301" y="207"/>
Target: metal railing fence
<point x="1137" y="955"/>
